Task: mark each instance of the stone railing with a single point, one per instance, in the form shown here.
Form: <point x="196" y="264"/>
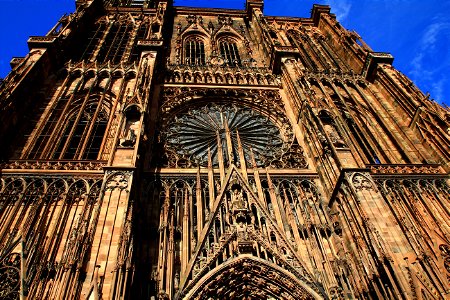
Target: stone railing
<point x="84" y="66"/>
<point x="221" y="74"/>
<point x="406" y="169"/>
<point x="73" y="165"/>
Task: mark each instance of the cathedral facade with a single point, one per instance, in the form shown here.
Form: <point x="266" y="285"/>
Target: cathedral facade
<point x="150" y="151"/>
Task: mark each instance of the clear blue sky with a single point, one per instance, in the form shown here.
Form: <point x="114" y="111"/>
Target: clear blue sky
<point x="415" y="32"/>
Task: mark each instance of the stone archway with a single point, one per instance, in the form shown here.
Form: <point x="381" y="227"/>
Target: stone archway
<point x="249" y="278"/>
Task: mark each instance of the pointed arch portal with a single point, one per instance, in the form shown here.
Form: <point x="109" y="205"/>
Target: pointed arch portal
<point x="247" y="277"/>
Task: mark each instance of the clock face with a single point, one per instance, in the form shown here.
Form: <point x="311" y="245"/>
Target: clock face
<point x="199" y="130"/>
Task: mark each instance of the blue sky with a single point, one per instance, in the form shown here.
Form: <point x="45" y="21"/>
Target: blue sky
<point x="415" y="32"/>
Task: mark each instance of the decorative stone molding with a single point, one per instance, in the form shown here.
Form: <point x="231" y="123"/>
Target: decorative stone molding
<point x="267" y="101"/>
<point x="361" y="182"/>
<point x="255" y="274"/>
<point x="40" y="41"/>
<point x="406" y="169"/>
<point x="220" y="74"/>
<point x="108" y="67"/>
<point x="118" y="180"/>
<point x="72" y="165"/>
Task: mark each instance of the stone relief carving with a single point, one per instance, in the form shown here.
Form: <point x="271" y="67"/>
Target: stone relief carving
<point x="361" y="182"/>
<point x="445" y="252"/>
<point x="118" y="180"/>
<point x="53" y="165"/>
<point x="10" y="276"/>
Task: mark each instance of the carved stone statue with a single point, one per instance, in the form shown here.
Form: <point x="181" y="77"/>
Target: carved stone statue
<point x="130" y="136"/>
<point x="335" y="138"/>
<point x="237" y="200"/>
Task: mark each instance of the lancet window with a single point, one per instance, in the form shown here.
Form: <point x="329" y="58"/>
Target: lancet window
<point x="78" y="135"/>
<point x="229" y="51"/>
<point x="77" y="129"/>
<point x="114" y="45"/>
<point x="194" y="51"/>
<point x="111" y="41"/>
<point x="94" y="39"/>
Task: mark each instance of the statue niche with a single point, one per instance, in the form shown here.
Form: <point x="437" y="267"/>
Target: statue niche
<point x="331" y="130"/>
<point x="131" y="127"/>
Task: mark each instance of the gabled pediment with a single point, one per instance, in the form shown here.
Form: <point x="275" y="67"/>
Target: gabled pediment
<point x="240" y="224"/>
<point x="227" y="30"/>
<point x="193" y="29"/>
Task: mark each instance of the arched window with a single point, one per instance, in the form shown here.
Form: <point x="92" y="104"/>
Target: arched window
<point x="72" y="131"/>
<point x="115" y="43"/>
<point x="96" y="36"/>
<point x="96" y="136"/>
<point x="229" y="52"/>
<point x="194" y="51"/>
<point x="82" y="134"/>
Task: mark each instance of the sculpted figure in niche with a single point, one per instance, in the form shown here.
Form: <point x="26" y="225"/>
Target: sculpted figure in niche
<point x="131" y="128"/>
<point x="176" y="281"/>
<point x="334" y="136"/>
<point x="331" y="130"/>
<point x="237" y="199"/>
<point x="241" y="228"/>
<point x="130" y="138"/>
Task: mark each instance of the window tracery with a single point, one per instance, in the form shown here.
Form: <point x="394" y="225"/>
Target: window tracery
<point x="116" y="38"/>
<point x="194" y="51"/>
<point x="230" y="52"/>
<point x="115" y="43"/>
<point x="10" y="276"/>
<point x="97" y="34"/>
<point x="79" y="135"/>
<point x="289" y="155"/>
<point x="198" y="132"/>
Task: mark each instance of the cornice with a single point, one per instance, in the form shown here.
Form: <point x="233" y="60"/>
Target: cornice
<point x="180" y="10"/>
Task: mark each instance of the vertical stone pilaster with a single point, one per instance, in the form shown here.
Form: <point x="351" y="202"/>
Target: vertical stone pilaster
<point x="115" y="203"/>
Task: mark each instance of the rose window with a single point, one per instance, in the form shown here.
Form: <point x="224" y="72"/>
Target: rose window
<point x="207" y="129"/>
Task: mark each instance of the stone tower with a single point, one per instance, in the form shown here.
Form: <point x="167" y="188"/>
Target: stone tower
<point x="150" y="151"/>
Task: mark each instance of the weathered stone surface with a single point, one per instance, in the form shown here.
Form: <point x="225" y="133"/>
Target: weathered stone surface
<point x="159" y="152"/>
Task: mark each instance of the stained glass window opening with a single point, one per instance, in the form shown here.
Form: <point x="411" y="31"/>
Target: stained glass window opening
<point x="195" y="51"/>
<point x="204" y="130"/>
<point x="229" y="52"/>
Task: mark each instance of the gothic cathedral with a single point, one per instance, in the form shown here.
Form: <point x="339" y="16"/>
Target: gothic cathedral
<point x="150" y="151"/>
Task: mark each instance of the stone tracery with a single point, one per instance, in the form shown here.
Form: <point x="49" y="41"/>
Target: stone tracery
<point x="198" y="131"/>
<point x="353" y="206"/>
